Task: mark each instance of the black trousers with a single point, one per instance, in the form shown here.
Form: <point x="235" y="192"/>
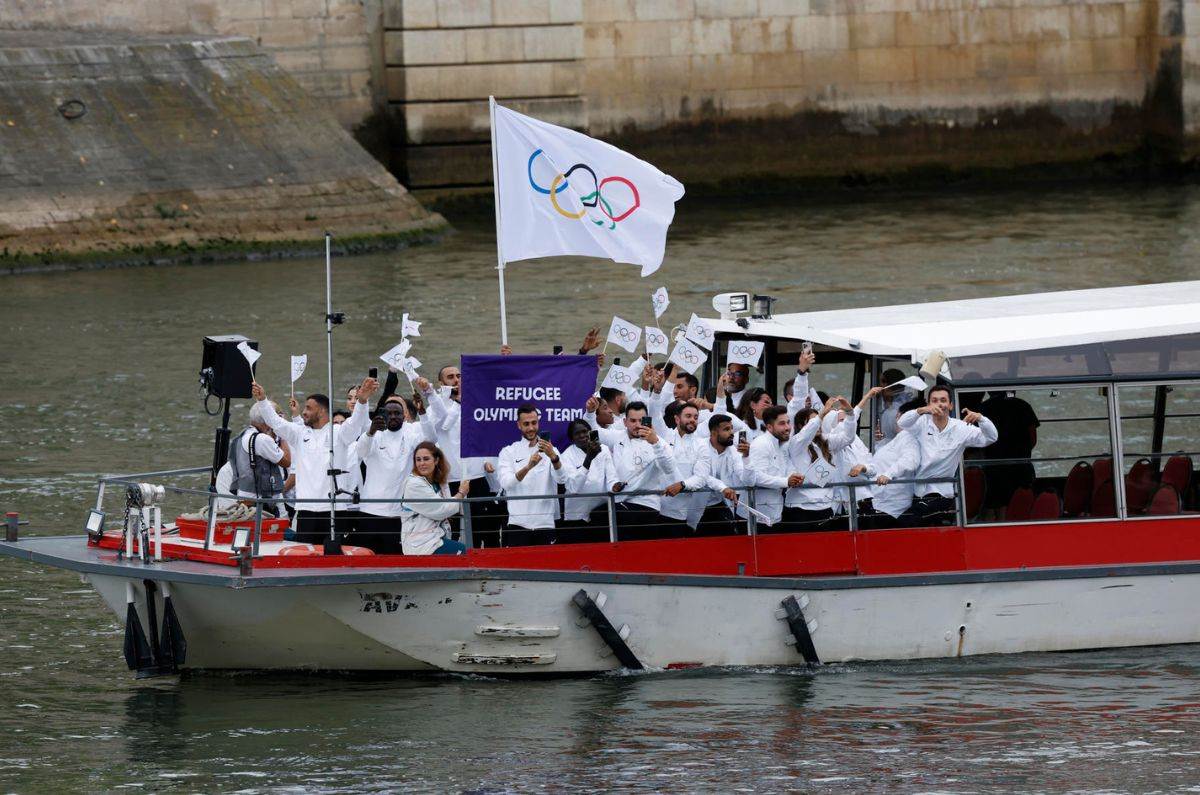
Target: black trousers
<point x="934" y="509"/>
<point x="593" y="530"/>
<point x="380" y="534"/>
<point x="717" y="520"/>
<point x="799" y="520"/>
<point x="487" y="518"/>
<point x="312" y="527"/>
<point x="640" y="523"/>
<point x="515" y="536"/>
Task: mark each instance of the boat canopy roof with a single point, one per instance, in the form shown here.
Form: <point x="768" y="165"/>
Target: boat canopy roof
<point x="994" y="325"/>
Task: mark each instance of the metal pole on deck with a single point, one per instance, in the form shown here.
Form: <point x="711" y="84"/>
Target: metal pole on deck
<point x="331" y="546"/>
<point x="496" y="196"/>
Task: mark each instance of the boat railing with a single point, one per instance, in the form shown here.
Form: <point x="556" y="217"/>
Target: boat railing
<point x="135" y="482"/>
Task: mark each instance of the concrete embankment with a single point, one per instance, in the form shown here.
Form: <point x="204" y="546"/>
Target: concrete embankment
<point x="123" y="149"/>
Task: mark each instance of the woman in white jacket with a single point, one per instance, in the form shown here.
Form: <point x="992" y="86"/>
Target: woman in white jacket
<point x="423" y="526"/>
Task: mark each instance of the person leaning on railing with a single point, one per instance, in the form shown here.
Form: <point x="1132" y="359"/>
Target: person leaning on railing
<point x="424" y="526"/>
<point x="943" y="439"/>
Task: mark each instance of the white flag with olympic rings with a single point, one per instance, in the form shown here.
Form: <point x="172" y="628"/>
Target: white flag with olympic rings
<point x="562" y="192"/>
<point x="745" y="352"/>
<point x="699" y="332"/>
<point x="625" y="334"/>
<point x="687" y="356"/>
<point x="656" y="340"/>
<point x="619" y="378"/>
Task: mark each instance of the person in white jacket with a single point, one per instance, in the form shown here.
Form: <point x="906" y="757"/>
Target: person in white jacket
<point x="769" y="467"/>
<point x="424" y="526"/>
<point x="445" y="410"/>
<point x="942" y="439"/>
<point x="892" y="503"/>
<point x="310" y="446"/>
<point x="811" y="505"/>
<point x="530" y="467"/>
<point x="684" y="500"/>
<point x="721" y="469"/>
<point x="590" y="470"/>
<point x="387" y="449"/>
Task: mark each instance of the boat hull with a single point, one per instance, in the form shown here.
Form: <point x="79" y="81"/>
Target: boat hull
<point x="527" y="622"/>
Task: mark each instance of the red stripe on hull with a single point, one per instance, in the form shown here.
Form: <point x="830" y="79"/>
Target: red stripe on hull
<point x="906" y="551"/>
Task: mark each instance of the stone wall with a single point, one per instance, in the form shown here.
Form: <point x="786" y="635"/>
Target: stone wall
<point x="130" y="149"/>
<point x="716" y="90"/>
<point x="330" y="47"/>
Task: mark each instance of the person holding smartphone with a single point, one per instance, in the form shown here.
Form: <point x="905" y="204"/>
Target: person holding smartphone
<point x="643" y="462"/>
<point x="531" y="466"/>
<point x="589" y="471"/>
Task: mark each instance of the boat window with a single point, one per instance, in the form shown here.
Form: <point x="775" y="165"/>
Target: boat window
<point x="1052" y="461"/>
<point x="833" y="373"/>
<point x="1160" y="426"/>
<point x="1178" y="355"/>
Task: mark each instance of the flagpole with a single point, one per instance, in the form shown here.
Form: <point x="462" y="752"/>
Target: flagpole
<point x="496" y="194"/>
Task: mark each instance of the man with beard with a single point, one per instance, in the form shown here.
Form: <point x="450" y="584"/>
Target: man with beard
<point x="387" y="450"/>
<point x="310" y="446"/>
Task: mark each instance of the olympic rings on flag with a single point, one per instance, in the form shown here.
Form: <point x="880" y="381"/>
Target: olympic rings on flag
<point x="656" y="339"/>
<point x="743" y="350"/>
<point x="688" y="356"/>
<point x="626" y="333"/>
<point x="594" y="199"/>
<point x="622" y="377"/>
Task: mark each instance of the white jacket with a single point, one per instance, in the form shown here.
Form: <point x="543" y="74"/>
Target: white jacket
<point x="599" y="476"/>
<point x="899" y="460"/>
<point x="310" y="454"/>
<point x="941" y="451"/>
<point x="423" y="525"/>
<point x="389" y="457"/>
<point x="686" y="450"/>
<point x="543" y="479"/>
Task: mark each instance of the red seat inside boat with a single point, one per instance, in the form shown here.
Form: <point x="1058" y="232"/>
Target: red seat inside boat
<point x="1104" y="500"/>
<point x="1046" y="507"/>
<point x="1020" y="505"/>
<point x="1165" y="501"/>
<point x="1139" y="485"/>
<point x="1102" y="470"/>
<point x="1077" y="491"/>
<point x="1177" y="472"/>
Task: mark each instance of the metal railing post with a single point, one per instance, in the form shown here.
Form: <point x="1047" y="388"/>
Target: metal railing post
<point x="852" y="509"/>
<point x="465" y="534"/>
<point x="257" y="526"/>
<point x="11" y="521"/>
<point x="100" y="496"/>
<point x="751" y="521"/>
<point x="612" y="518"/>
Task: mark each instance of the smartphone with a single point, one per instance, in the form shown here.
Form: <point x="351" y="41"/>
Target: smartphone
<point x="557" y="350"/>
<point x="544" y="436"/>
<point x="373" y="372"/>
<point x="594" y="436"/>
<point x="806" y="347"/>
<point x="646" y="421"/>
<point x="741" y="437"/>
<point x="617" y="361"/>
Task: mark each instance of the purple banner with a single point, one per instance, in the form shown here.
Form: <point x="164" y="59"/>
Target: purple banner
<point x="493" y="387"/>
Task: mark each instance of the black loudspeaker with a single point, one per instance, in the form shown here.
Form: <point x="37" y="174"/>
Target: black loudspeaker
<point x="224" y="369"/>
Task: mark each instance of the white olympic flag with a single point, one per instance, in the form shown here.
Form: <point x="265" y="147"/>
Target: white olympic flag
<point x="409" y="328"/>
<point x="625" y="334"/>
<point x="699" y="332"/>
<point x="619" y="378"/>
<point x="251" y="355"/>
<point x="687" y="356"/>
<point x="745" y="352"/>
<point x="656" y="340"/>
<point x="660" y="301"/>
<point x="298" y="365"/>
<point x="397" y="354"/>
<point x="562" y="192"/>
